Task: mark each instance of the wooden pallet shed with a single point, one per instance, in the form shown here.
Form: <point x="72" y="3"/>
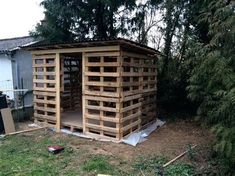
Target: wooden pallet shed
<point x="106" y="88"/>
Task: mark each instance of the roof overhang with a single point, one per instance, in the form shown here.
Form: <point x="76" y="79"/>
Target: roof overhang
<point x="123" y="43"/>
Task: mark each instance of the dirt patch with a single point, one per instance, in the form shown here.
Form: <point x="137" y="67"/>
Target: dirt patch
<point x="23" y="125"/>
<point x="170" y="140"/>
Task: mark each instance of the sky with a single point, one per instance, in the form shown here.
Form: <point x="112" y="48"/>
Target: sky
<point x="18" y="17"/>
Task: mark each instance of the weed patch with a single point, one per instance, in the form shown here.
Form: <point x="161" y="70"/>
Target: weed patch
<point x="153" y="166"/>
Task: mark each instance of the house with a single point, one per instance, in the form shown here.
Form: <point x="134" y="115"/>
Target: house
<point x="106" y="88"/>
<point x="16" y="67"/>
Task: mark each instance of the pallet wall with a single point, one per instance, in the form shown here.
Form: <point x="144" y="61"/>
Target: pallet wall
<point x="139" y="84"/>
<point x="44" y="86"/>
<point x="119" y="93"/>
<point x="102" y="94"/>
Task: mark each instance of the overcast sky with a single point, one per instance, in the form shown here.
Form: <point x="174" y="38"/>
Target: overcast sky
<point x="18" y="17"/>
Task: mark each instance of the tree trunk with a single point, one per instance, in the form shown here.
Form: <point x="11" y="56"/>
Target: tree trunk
<point x="170" y="30"/>
<point x="101" y="29"/>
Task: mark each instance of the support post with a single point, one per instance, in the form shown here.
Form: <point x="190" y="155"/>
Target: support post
<point x="57" y="70"/>
<point x="83" y="93"/>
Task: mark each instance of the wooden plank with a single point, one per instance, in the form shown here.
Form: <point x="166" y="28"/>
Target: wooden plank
<point x="132" y="54"/>
<point x="43" y="89"/>
<point x="103" y="94"/>
<point x="44" y="65"/>
<point x="132" y="116"/>
<point x="8" y="120"/>
<point x="98" y="98"/>
<point x="127" y="127"/>
<point x="106" y="64"/>
<point x="95" y="54"/>
<point x="44" y="101"/>
<point x="127" y="84"/>
<point x="83" y="92"/>
<point x="45" y="109"/>
<point x="44" y="56"/>
<point x="44" y="81"/>
<point x="104" y="84"/>
<point x="57" y="70"/>
<point x="108" y="129"/>
<point x="132" y="97"/>
<point x="131" y="107"/>
<point x="101" y="108"/>
<point x="43" y="73"/>
<point x="44" y="117"/>
<point x="25" y="131"/>
<point x="77" y="50"/>
<point x="44" y="93"/>
<point x="131" y="92"/>
<point x="131" y="74"/>
<point x="108" y="74"/>
<point x="104" y="118"/>
<point x="102" y="137"/>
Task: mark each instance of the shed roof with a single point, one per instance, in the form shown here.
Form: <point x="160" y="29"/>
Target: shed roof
<point x="92" y="42"/>
<point x="11" y="44"/>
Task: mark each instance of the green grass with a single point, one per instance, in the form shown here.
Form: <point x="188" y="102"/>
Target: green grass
<point x="153" y="166"/>
<point x="23" y="155"/>
<point x="98" y="164"/>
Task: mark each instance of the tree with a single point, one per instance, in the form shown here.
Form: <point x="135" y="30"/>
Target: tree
<point x="212" y="84"/>
<point x="67" y="20"/>
<point x="173" y="71"/>
<point x="144" y="20"/>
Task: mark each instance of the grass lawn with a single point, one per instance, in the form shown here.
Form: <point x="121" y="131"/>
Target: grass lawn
<point x="26" y="154"/>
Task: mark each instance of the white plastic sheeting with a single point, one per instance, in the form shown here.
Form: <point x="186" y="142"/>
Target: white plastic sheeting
<point x="133" y="139"/>
<point x="139" y="137"/>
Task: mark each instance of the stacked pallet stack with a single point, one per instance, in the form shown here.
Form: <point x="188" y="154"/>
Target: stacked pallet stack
<point x="44" y="83"/>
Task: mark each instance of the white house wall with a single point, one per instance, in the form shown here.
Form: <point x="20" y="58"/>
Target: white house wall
<point x="6" y="78"/>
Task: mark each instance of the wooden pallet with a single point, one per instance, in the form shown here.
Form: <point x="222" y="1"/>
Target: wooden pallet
<point x="52" y="123"/>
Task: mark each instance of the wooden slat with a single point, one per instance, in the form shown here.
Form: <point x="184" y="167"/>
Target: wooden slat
<point x="43" y="65"/>
<point x="101" y="108"/>
<point x="105" y="64"/>
<point x="131" y="125"/>
<point x="95" y="54"/>
<point x="44" y="93"/>
<point x="44" y="81"/>
<point x="107" y="74"/>
<point x="77" y="50"/>
<point x="45" y="117"/>
<point x="45" y="101"/>
<point x="109" y="129"/>
<point x="102" y="94"/>
<point x="132" y="116"/>
<point x="43" y="89"/>
<point x="51" y="56"/>
<point x="104" y="84"/>
<point x="43" y="73"/>
<point x="44" y="109"/>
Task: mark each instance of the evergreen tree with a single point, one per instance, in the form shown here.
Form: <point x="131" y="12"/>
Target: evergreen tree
<point x="67" y="20"/>
<point x="212" y="84"/>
